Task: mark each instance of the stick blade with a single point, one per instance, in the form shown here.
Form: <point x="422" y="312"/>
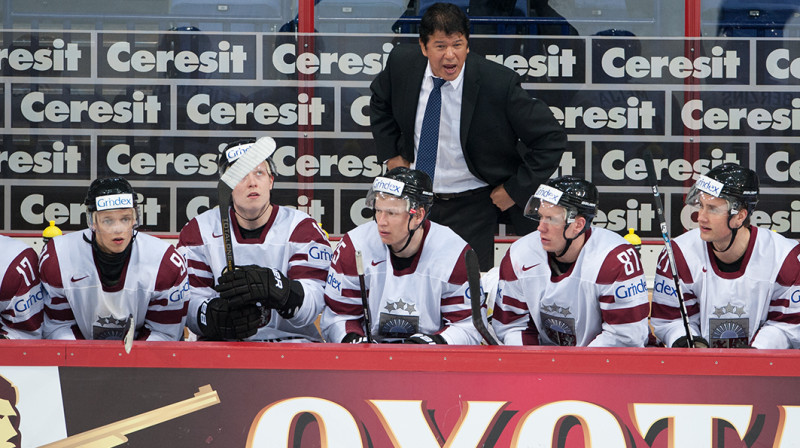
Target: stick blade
<point x="261" y="150"/>
<point x="476" y="297"/>
<point x="130" y="329"/>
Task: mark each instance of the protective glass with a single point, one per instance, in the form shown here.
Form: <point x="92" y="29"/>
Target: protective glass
<point x="546" y="212"/>
<point x="112" y="221"/>
<point x="400" y="204"/>
<point x="700" y="200"/>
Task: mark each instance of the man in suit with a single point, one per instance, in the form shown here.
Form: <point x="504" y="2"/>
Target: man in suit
<point x="496" y="144"/>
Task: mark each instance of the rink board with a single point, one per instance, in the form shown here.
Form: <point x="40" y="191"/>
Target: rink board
<point x="312" y="395"/>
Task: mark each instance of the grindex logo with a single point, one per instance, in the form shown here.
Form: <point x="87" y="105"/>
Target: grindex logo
<point x="73" y="279"/>
<point x="709" y="185"/>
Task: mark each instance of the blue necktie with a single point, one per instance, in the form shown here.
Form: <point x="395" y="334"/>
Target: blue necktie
<point x="429" y="135"/>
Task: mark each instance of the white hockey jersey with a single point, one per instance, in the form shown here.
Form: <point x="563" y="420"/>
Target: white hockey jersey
<point x="759" y="305"/>
<point x="153" y="288"/>
<point x="601" y="301"/>
<point x="427" y="297"/>
<point x="291" y="242"/>
<point x="21" y="300"/>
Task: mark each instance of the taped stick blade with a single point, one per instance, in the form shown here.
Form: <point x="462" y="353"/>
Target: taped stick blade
<point x="130" y="329"/>
<point x="261" y="150"/>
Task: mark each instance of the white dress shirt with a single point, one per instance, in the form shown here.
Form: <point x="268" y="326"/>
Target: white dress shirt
<point x="452" y="174"/>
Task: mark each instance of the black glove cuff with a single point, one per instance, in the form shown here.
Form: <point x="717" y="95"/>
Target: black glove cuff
<point x="683" y="342"/>
<point x="354" y="338"/>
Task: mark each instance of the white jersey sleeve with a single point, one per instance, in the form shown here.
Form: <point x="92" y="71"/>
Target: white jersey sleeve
<point x="427" y="297"/>
<point x="21" y="299"/>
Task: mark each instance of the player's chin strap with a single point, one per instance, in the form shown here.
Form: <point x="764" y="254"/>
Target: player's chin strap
<point x="260" y="214"/>
<point x="733" y="236"/>
<point x="570" y="240"/>
<point x="410" y="233"/>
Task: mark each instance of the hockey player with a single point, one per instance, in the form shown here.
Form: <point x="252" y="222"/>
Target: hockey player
<point x="414" y="272"/>
<point x="99" y="279"/>
<point x="569" y="283"/>
<point x="740" y="283"/>
<point x="276" y="292"/>
<point x="21" y="300"/>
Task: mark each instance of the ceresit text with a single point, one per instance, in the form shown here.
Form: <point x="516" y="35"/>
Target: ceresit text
<point x="617" y="166"/>
<point x="639" y="115"/>
<point x="324" y="63"/>
<point x="307" y="111"/>
<point x="143" y="109"/>
<point x="558" y="62"/>
<point x="121" y="161"/>
<point x="59" y="58"/>
<point x="229" y="59"/>
<point x="720" y="65"/>
<point x="736" y="118"/>
<point x="55" y="161"/>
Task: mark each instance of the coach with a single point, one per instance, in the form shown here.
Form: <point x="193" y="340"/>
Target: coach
<point x="468" y="123"/>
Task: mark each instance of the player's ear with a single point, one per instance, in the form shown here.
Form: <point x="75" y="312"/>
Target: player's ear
<point x="579" y="224"/>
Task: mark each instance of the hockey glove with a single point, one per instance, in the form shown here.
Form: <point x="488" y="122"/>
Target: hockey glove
<point x="354" y="338"/>
<point x="267" y="288"/>
<point x="684" y="343"/>
<point x="2" y="336"/>
<point x="217" y="320"/>
<point x="421" y="338"/>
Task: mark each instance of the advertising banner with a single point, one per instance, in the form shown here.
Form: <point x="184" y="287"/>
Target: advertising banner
<point x="156" y="107"/>
<point x="270" y="395"/>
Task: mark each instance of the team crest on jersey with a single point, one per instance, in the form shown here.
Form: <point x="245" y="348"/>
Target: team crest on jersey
<point x="729" y="333"/>
<point x="558" y="326"/>
<point x="400" y="320"/>
<point x="108" y="328"/>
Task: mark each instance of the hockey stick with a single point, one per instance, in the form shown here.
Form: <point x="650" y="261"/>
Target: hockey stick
<point x="364" y="299"/>
<point x="128" y="331"/>
<point x="651" y="177"/>
<point x="261" y="150"/>
<point x="476" y="297"/>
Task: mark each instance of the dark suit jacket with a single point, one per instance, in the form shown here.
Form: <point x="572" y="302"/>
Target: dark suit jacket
<point x="507" y="137"/>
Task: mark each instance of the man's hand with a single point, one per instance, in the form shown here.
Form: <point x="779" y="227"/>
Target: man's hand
<point x="501" y="199"/>
<point x="421" y="338"/>
<point x="396" y="161"/>
<point x="354" y="338"/>
<point x="217" y="320"/>
<point x="265" y="287"/>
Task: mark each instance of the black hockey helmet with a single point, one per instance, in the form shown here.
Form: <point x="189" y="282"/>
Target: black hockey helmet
<point x="110" y="193"/>
<point x="577" y="196"/>
<point x="734" y="183"/>
<point x="236" y="149"/>
<point x="414" y="186"/>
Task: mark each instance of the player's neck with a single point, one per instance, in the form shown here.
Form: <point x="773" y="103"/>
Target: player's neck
<point x="261" y="217"/>
<point x="413" y="245"/>
<point x="737" y="249"/>
<point x="574" y="250"/>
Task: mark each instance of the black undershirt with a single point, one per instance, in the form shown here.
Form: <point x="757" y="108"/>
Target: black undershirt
<point x="400" y="263"/>
<point x="251" y="234"/>
<point x="110" y="265"/>
<point x="729" y="267"/>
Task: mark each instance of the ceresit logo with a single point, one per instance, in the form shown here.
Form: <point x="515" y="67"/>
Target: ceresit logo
<point x="548" y="193"/>
<point x="627" y="291"/>
<point x="237" y="151"/>
<point x="390" y="186"/>
<point x="709" y="185"/>
<point x="124" y="200"/>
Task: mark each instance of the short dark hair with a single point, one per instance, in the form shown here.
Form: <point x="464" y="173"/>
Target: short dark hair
<point x="10" y="393"/>
<point x="445" y="17"/>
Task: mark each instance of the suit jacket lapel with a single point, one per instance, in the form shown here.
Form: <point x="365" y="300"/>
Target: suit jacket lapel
<point x="469" y="98"/>
<point x="411" y="91"/>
